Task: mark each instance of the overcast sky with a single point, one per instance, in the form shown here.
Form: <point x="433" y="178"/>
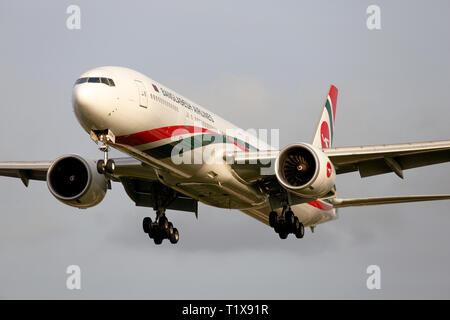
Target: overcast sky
<point x="259" y="64"/>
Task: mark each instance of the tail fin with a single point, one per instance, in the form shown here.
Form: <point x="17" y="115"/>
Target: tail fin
<point x="325" y="129"/>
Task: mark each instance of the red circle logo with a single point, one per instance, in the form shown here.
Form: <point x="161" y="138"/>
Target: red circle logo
<point x="325" y="135"/>
<point x="329" y="169"/>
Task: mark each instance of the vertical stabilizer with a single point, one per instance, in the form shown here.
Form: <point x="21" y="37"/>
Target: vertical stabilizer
<point x="323" y="137"/>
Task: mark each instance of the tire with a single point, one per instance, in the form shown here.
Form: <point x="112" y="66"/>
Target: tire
<point x="277" y="228"/>
<point x="175" y="236"/>
<point x="110" y="166"/>
<point x="289" y="219"/>
<point x="158" y="240"/>
<point x="100" y="166"/>
<point x="153" y="231"/>
<point x="283" y="235"/>
<point x="296" y="225"/>
<point x="272" y="218"/>
<point x="146" y="224"/>
<point x="163" y="224"/>
<point x="300" y="232"/>
<point x="170" y="230"/>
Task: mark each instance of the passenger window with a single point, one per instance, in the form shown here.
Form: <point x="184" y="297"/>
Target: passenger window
<point x="94" y="80"/>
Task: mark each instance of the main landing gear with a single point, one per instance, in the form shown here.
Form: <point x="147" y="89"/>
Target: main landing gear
<point x="285" y="222"/>
<point x="160" y="229"/>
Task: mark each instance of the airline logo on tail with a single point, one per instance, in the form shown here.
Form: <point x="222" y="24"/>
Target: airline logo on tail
<point x="325" y="130"/>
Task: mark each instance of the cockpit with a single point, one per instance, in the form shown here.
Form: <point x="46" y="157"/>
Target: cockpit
<point x="107" y="81"/>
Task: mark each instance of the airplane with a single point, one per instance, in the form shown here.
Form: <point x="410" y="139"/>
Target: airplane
<point x="163" y="134"/>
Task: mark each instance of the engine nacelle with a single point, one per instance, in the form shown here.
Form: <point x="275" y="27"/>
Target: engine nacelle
<point x="76" y="182"/>
<point x="305" y="170"/>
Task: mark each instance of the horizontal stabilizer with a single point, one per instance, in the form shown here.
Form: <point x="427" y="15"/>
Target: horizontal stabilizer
<point x="341" y="203"/>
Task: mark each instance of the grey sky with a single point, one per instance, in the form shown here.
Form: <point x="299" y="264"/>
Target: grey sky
<point x="259" y="64"/>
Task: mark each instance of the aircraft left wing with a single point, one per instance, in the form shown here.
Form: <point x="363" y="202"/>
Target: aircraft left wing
<point x="374" y="160"/>
<point x="368" y="160"/>
<point x="341" y="203"/>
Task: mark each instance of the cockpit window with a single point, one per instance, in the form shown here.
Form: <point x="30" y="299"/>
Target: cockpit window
<point x="107" y="81"/>
<point x="81" y="80"/>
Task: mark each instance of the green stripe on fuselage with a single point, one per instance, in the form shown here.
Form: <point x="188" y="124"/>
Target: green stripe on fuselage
<point x="194" y="142"/>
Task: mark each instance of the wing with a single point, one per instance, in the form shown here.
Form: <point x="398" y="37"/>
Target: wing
<point x="374" y="160"/>
<point x="368" y="160"/>
<point x="341" y="203"/>
<point x="37" y="170"/>
<point x="34" y="170"/>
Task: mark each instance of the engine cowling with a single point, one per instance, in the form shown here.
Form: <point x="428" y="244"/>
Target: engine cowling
<point x="305" y="170"/>
<point x="76" y="182"/>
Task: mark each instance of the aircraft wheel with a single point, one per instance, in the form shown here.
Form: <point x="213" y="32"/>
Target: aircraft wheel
<point x="289" y="219"/>
<point x="300" y="231"/>
<point x="272" y="218"/>
<point x="277" y="228"/>
<point x="170" y="230"/>
<point x="110" y="166"/>
<point x="283" y="235"/>
<point x="146" y="224"/>
<point x="153" y="231"/>
<point x="175" y="236"/>
<point x="101" y="166"/>
<point x="158" y="240"/>
<point x="163" y="224"/>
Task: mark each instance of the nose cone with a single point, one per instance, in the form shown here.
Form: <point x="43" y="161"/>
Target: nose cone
<point x="92" y="103"/>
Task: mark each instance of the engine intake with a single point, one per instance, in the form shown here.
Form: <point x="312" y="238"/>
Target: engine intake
<point x="305" y="170"/>
<point x="76" y="182"/>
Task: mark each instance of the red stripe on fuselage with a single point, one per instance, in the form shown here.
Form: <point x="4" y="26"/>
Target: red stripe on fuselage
<point x="158" y="134"/>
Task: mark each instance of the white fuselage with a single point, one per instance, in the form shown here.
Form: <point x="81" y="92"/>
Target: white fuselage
<point x="148" y="120"/>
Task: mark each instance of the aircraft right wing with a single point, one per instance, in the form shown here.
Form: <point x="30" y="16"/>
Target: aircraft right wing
<point x="37" y="170"/>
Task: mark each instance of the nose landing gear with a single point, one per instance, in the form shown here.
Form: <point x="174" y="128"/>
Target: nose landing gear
<point x="106" y="165"/>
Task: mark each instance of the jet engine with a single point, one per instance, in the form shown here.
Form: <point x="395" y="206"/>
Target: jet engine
<point x="76" y="182"/>
<point x="305" y="170"/>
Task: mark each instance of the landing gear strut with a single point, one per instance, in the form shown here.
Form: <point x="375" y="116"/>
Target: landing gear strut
<point x="106" y="165"/>
<point x="160" y="229"/>
<point x="286" y="222"/>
